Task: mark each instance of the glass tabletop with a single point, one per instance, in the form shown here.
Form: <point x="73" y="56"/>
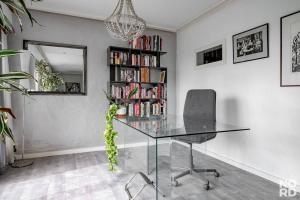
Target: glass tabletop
<point x="174" y="126"/>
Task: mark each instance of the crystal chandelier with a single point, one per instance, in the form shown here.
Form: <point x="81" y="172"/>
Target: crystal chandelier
<point x="124" y="24"/>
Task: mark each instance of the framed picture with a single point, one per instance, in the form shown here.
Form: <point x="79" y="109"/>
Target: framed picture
<point x="252" y="44"/>
<point x="290" y="50"/>
<point x="211" y="55"/>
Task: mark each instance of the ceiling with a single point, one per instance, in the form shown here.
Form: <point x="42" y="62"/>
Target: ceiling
<point x="61" y="59"/>
<point x="170" y="15"/>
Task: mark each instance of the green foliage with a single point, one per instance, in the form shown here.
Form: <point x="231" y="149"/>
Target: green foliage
<point x="18" y="8"/>
<point x="110" y="135"/>
<point x="10" y="82"/>
<point x="49" y="81"/>
<point x="4" y="129"/>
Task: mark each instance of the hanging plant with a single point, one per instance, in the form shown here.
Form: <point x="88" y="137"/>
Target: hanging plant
<point x="110" y="134"/>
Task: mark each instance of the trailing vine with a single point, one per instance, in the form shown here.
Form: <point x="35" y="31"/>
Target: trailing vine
<point x="110" y="135"/>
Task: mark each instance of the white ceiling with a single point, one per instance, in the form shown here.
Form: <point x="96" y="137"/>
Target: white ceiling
<point x="61" y="59"/>
<point x="168" y="15"/>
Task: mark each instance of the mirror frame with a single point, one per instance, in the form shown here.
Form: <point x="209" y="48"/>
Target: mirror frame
<point x="53" y="44"/>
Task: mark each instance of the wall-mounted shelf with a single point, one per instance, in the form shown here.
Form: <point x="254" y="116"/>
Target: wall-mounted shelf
<point x="131" y="68"/>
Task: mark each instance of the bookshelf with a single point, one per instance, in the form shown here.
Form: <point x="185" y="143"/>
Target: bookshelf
<point x="130" y="68"/>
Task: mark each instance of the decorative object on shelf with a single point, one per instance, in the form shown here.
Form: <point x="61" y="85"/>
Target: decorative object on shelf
<point x="211" y="55"/>
<point x="252" y="44"/>
<point x="48" y="80"/>
<point x="110" y="134"/>
<point x="162" y="76"/>
<point x="124" y="23"/>
<point x="290" y="50"/>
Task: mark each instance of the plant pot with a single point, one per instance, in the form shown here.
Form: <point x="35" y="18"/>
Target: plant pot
<point x="121" y="112"/>
<point x="2" y="156"/>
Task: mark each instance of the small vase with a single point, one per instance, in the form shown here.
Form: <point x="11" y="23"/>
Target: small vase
<point x="122" y="111"/>
<point x="2" y="156"/>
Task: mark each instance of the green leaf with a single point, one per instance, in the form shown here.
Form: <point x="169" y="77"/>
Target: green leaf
<point x="15" y="76"/>
<point x="132" y="93"/>
<point x="8" y="52"/>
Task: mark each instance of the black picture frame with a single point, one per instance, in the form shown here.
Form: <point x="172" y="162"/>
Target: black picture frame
<point x="53" y="44"/>
<point x="266" y="52"/>
<point x="281" y="51"/>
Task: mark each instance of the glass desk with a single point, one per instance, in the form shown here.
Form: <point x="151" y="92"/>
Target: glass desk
<point x="155" y="149"/>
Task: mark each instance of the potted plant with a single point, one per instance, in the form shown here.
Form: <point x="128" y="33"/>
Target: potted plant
<point x="109" y="133"/>
<point x="9" y="82"/>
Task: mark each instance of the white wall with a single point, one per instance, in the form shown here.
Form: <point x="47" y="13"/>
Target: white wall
<point x="247" y="93"/>
<point x="54" y="123"/>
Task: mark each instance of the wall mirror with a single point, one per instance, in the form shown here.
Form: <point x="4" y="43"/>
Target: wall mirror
<point x="57" y="68"/>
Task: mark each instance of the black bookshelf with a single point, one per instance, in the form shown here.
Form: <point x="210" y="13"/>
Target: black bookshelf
<point x="150" y="84"/>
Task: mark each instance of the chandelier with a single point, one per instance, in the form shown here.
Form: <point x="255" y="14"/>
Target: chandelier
<point x="124" y="23"/>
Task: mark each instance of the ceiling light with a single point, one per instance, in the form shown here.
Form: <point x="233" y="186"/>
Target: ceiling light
<point x="124" y="23"/>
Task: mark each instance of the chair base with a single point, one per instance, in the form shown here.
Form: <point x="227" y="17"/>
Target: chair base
<point x="191" y="171"/>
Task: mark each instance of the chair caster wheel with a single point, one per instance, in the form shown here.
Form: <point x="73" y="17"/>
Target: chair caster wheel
<point x="217" y="174"/>
<point x="207" y="186"/>
<point x="175" y="183"/>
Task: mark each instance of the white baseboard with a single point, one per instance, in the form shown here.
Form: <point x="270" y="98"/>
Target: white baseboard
<point x="253" y="170"/>
<point x="74" y="151"/>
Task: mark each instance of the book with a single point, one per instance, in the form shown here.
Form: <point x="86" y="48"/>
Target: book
<point x="153" y="43"/>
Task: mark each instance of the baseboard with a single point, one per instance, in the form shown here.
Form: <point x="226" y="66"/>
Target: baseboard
<point x="253" y="170"/>
<point x="75" y="151"/>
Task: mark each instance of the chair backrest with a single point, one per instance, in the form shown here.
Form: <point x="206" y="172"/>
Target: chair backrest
<point x="200" y="104"/>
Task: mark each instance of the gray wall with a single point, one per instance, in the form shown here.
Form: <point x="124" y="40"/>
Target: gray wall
<point x="65" y="122"/>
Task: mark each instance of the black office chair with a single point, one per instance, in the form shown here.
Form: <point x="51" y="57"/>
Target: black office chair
<point x="199" y="104"/>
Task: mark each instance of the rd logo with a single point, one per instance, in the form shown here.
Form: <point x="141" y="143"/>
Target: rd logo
<point x="287" y="188"/>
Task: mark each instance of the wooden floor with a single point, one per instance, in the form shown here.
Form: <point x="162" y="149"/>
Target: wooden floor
<point x="85" y="176"/>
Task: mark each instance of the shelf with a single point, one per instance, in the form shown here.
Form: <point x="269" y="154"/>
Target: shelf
<point x="137" y="67"/>
<point x="113" y="48"/>
<point x="142" y="99"/>
<point x="124" y="82"/>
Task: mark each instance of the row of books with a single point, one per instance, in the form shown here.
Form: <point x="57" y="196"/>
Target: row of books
<point x="146" y="109"/>
<point x="122" y="92"/>
<point x="145" y="75"/>
<point x="124" y="58"/>
<point x="129" y="75"/>
<point x="119" y="58"/>
<point x="150" y="93"/>
<point x="153" y="43"/>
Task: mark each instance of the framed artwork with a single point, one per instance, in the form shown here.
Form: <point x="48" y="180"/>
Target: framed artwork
<point x="210" y="55"/>
<point x="252" y="44"/>
<point x="290" y="50"/>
